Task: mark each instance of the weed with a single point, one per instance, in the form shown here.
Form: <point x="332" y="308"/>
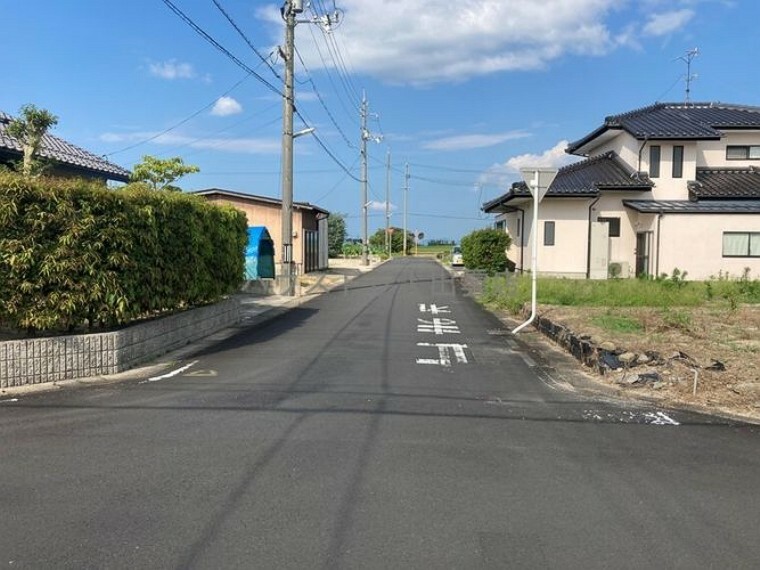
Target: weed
<point x="617" y="323"/>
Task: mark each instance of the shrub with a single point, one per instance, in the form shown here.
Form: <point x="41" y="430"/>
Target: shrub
<point x="73" y="253"/>
<point x="486" y="250"/>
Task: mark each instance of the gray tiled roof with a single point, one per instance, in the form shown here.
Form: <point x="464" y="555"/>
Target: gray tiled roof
<point x="726" y="183"/>
<point x="680" y="121"/>
<point x="63" y="152"/>
<point x="584" y="178"/>
<point x="687" y="207"/>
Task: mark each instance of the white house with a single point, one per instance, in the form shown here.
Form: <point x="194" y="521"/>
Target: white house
<point x="672" y="185"/>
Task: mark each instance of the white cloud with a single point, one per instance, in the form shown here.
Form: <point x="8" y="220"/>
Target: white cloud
<point x="468" y="142"/>
<point x="453" y="40"/>
<point x="226" y="106"/>
<point x="172" y="69"/>
<point x="377" y="206"/>
<point x="667" y="22"/>
<point x="234" y="145"/>
<point x="508" y="172"/>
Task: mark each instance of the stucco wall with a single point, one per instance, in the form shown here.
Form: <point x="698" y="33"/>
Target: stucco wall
<point x="713" y="153"/>
<point x="694" y="243"/>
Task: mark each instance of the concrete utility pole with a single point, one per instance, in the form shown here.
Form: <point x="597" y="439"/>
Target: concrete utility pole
<point x="388" y="203"/>
<point x="406" y="200"/>
<point x="287" y="277"/>
<point x="365" y="204"/>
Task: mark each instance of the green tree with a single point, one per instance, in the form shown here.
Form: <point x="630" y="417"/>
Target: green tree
<point x="377" y="241"/>
<point x="336" y="234"/>
<point x="486" y="249"/>
<point x="160" y="174"/>
<point x="28" y="129"/>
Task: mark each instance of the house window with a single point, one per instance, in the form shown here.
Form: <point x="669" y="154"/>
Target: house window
<point x="501" y="225"/>
<point x="743" y="152"/>
<point x="519" y="228"/>
<point x="614" y="225"/>
<point x="548" y="233"/>
<point x="741" y="244"/>
<point x="654" y="161"/>
<point x="677" y="161"/>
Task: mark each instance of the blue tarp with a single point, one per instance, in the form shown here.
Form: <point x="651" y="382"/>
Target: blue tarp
<point x="259" y="254"/>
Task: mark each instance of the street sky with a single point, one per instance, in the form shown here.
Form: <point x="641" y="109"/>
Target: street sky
<point x="465" y="91"/>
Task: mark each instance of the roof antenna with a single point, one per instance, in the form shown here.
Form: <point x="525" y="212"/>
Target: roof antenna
<point x="687" y="59"/>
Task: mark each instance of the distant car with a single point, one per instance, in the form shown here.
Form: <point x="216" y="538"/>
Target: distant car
<point x="456" y="257"/>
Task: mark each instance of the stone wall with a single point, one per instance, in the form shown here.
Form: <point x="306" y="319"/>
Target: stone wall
<point x="41" y="360"/>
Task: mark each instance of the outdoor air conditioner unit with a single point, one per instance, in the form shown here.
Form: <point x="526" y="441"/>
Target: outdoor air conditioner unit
<point x="620" y="269"/>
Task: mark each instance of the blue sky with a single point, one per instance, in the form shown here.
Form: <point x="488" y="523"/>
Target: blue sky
<point x="465" y="91"/>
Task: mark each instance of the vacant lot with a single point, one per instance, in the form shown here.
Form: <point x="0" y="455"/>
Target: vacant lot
<point x="676" y="330"/>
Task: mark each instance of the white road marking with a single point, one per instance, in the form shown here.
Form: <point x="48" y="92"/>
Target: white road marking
<point x="527" y="359"/>
<point x="7" y="401"/>
<point x="660" y="419"/>
<point x="438" y="326"/>
<point x="444" y="356"/>
<point x="434" y="309"/>
<point x="171" y="374"/>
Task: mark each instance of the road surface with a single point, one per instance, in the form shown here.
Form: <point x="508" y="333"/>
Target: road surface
<point x="391" y="425"/>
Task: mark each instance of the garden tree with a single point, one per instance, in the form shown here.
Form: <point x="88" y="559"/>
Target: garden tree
<point x="336" y="234"/>
<point x="28" y="129"/>
<point x="160" y="173"/>
<point x="486" y="249"/>
<point x="377" y="240"/>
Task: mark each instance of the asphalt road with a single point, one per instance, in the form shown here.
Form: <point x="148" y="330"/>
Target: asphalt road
<point x="392" y="425"/>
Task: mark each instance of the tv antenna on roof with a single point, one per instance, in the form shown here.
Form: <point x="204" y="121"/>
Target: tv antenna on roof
<point x="687" y="59"/>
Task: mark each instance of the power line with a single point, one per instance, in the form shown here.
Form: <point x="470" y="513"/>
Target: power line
<point x="198" y="30"/>
<point x="245" y="38"/>
<point x="180" y="123"/>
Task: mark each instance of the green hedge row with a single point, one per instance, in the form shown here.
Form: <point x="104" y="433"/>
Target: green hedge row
<point x="74" y="253"/>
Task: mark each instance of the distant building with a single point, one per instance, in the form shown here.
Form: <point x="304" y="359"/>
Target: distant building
<point x="309" y="225"/>
<point x="67" y="160"/>
<point x="672" y="185"/>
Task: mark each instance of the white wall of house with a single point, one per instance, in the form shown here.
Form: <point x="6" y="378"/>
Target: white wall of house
<point x="624" y="145"/>
<point x="694" y="243"/>
<point x="713" y="153"/>
<point x="665" y="186"/>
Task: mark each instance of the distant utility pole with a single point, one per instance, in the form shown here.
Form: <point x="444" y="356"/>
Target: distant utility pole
<point x="687" y="59"/>
<point x="406" y="200"/>
<point x="365" y="136"/>
<point x="388" y="202"/>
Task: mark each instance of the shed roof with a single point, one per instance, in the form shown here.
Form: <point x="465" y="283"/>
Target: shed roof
<point x="254" y="198"/>
<point x="64" y="153"/>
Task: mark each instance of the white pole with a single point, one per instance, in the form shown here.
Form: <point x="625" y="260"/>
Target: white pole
<point x="534" y="262"/>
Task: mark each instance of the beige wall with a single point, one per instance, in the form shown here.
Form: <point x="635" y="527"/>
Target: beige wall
<point x="694" y="243"/>
<point x="713" y="153"/>
<point x="269" y="216"/>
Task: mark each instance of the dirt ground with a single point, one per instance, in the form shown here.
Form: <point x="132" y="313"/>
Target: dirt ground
<point x="721" y="344"/>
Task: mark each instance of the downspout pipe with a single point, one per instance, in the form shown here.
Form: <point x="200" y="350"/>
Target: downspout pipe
<point x="588" y="245"/>
<point x="657" y="263"/>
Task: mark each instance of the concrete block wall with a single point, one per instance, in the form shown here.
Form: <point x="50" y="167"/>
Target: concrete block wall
<point x="41" y="360"/>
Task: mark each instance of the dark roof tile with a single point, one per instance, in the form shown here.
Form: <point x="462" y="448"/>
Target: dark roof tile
<point x="64" y="153"/>
<point x="679" y="121"/>
<point x="725" y="183"/>
<point x="687" y="207"/>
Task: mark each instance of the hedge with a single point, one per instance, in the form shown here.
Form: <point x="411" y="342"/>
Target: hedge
<point x="74" y="253"/>
<point x="486" y="250"/>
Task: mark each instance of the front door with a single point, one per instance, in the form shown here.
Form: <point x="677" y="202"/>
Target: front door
<point x="643" y="244"/>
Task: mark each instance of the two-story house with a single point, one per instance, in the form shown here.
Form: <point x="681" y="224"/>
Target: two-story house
<point x="672" y="185"/>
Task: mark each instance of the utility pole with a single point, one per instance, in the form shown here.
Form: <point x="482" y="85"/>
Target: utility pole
<point x="388" y="240"/>
<point x="365" y="137"/>
<point x="287" y="278"/>
<point x="406" y="200"/>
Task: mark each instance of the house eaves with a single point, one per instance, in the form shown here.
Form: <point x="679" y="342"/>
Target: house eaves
<point x="583" y="179"/>
<point x="687" y="207"/>
<point x="674" y="121"/>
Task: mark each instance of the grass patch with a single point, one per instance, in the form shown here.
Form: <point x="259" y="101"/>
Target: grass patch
<point x="618" y="324"/>
<point x="512" y="292"/>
